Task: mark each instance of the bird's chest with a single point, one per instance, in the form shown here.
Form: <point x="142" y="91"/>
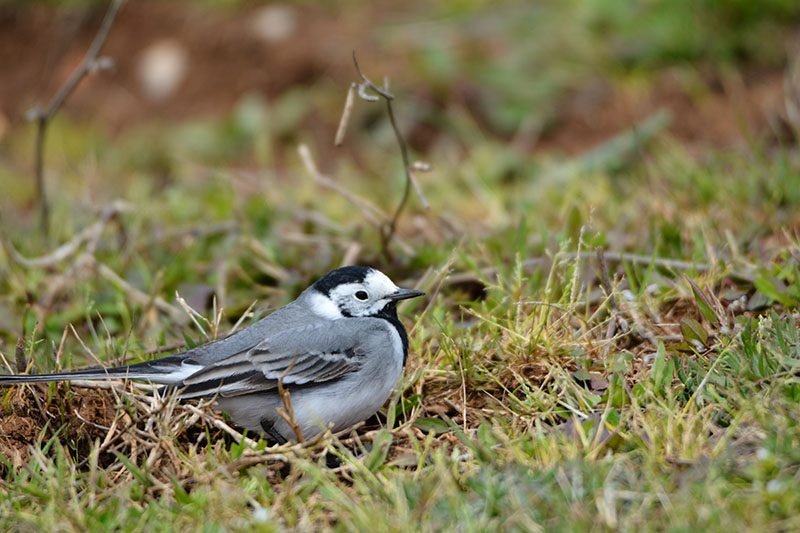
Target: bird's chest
<point x="359" y="395"/>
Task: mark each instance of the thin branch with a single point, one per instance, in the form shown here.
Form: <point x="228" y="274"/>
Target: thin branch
<point x="388" y="232"/>
<point x="219" y="424"/>
<point x="90" y="63"/>
<point x="348" y="108"/>
<point x="369" y="210"/>
<point x="86" y="260"/>
<point x="284" y="453"/>
<point x="63" y="252"/>
<point x="193" y="315"/>
<point x="135" y="294"/>
<point x="248" y="313"/>
<point x="287" y="413"/>
<point x="413" y="179"/>
<point x="373" y="214"/>
<point x="121" y="433"/>
<point x="384" y="92"/>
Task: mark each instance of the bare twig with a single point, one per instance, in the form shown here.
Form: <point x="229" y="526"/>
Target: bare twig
<point x="248" y="313"/>
<point x="121" y="433"/>
<point x="387" y="231"/>
<point x="59" y="254"/>
<point x="90" y="63"/>
<point x="90" y="235"/>
<point x="81" y="263"/>
<point x="368" y="209"/>
<point x="372" y="213"/>
<point x="219" y="424"/>
<point x="284" y="453"/>
<point x="287" y="413"/>
<point x="135" y="294"/>
<point x="193" y="315"/>
<point x="348" y="108"/>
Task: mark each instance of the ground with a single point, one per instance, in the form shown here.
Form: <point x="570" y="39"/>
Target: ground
<point x="610" y="251"/>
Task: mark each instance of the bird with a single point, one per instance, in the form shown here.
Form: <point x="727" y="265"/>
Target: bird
<point x="339" y="349"/>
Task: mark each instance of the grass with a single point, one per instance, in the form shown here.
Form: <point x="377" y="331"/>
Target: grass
<point x="546" y="389"/>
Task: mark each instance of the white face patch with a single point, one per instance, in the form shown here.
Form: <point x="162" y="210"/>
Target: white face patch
<point x="379" y="283"/>
<point x="376" y="286"/>
<point x="324" y="307"/>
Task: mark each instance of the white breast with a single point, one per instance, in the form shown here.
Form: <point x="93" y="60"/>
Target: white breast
<point x="356" y="397"/>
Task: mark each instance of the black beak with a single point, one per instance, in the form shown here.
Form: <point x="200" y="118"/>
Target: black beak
<point x="403" y="294"/>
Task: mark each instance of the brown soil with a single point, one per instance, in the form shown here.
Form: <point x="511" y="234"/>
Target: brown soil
<point x="33" y="418"/>
<point x="40" y="47"/>
<point x="724" y="113"/>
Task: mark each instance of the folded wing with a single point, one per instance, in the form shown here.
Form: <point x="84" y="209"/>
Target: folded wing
<point x="296" y="357"/>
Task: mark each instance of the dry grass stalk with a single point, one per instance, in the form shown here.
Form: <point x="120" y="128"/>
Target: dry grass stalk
<point x="371" y="212"/>
<point x="287" y="413"/>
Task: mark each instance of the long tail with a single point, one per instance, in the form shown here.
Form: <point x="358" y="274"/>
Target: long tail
<point x="167" y="371"/>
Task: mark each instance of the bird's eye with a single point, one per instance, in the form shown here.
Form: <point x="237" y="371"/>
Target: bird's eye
<point x="361" y="295"/>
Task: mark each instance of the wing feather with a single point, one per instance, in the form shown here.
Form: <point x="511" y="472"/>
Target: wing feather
<point x="297" y="357"/>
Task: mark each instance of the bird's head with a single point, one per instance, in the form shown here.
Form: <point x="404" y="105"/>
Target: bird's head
<point x="356" y="291"/>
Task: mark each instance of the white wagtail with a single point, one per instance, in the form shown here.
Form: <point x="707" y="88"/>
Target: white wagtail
<point x="339" y="349"/>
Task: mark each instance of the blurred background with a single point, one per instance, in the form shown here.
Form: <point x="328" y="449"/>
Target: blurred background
<point x="529" y="112"/>
<point x="548" y="75"/>
<point x="247" y="80"/>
